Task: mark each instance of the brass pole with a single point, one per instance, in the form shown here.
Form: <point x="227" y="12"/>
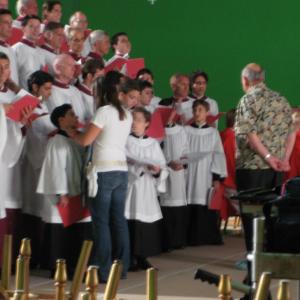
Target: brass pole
<point x="20" y="273"/>
<point x="113" y="281"/>
<point x="283" y="292"/>
<point x="224" y="287"/>
<point x="81" y="268"/>
<point x="6" y="262"/>
<point x="25" y="252"/>
<point x="151" y="284"/>
<point x="60" y="279"/>
<point x="262" y="292"/>
<point x="92" y="283"/>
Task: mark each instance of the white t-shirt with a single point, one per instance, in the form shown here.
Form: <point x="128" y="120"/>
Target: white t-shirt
<point x="109" y="147"/>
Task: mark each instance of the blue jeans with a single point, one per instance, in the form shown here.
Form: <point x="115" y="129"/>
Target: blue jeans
<point x="109" y="224"/>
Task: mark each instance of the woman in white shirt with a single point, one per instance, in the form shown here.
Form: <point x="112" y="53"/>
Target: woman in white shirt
<point x="108" y="176"/>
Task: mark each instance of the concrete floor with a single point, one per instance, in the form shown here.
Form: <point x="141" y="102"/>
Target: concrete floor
<point x="176" y="272"/>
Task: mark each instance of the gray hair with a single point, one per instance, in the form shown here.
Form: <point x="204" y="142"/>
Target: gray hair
<point x="20" y="4"/>
<point x="253" y="75"/>
<point x="97" y="35"/>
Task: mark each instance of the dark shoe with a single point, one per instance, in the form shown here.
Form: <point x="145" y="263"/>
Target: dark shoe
<point x="144" y="264"/>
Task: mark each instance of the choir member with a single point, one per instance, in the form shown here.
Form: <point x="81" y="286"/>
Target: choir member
<point x="203" y="173"/>
<point x="180" y="99"/>
<point x="54" y="36"/>
<point x="146" y="75"/>
<point x="62" y="91"/>
<point x="75" y="38"/>
<point x="199" y="82"/>
<point x="173" y="202"/>
<point x="5" y="33"/>
<point x="3" y="4"/>
<point x="37" y="135"/>
<point x="147" y="175"/>
<point x="52" y="11"/>
<point x="92" y="69"/>
<point x="25" y="8"/>
<point x="59" y="181"/>
<point x="100" y="44"/>
<point x="146" y="90"/>
<point x="29" y="57"/>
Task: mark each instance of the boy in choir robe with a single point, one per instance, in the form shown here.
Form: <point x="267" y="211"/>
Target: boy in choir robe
<point x="29" y="56"/>
<point x="173" y="202"/>
<point x="92" y="69"/>
<point x="59" y="181"/>
<point x="37" y="135"/>
<point x="62" y="90"/>
<point x="180" y="100"/>
<point x="53" y="36"/>
<point x="147" y="75"/>
<point x="146" y="90"/>
<point x="295" y="156"/>
<point x="203" y="173"/>
<point x="10" y="183"/>
<point x="5" y="33"/>
<point x="100" y="44"/>
<point x="199" y="82"/>
<point x="121" y="46"/>
<point x="146" y="177"/>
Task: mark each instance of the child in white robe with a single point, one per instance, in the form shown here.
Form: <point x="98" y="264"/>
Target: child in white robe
<point x="204" y="173"/>
<point x="60" y="179"/>
<point x="173" y="202"/>
<point x="147" y="175"/>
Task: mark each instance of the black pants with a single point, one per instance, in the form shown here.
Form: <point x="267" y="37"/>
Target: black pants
<point x="249" y="179"/>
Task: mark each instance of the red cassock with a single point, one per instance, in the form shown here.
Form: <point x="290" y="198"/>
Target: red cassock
<point x="228" y="140"/>
<point x="295" y="159"/>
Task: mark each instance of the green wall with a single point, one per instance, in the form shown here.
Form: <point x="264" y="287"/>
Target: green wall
<point x="217" y="36"/>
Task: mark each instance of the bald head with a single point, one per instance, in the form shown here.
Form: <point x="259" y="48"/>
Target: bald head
<point x="252" y="75"/>
<point x="64" y="67"/>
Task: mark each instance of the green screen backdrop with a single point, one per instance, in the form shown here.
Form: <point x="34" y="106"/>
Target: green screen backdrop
<point x="217" y="36"/>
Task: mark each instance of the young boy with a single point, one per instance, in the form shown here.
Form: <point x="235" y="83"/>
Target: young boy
<point x="147" y="175"/>
<point x="60" y="179"/>
<point x="205" y="170"/>
<point x="146" y="90"/>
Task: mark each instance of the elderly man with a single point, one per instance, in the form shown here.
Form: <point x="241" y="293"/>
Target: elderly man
<point x="62" y="90"/>
<point x="180" y="84"/>
<point x="75" y="38"/>
<point x="264" y="137"/>
<point x="25" y="8"/>
<point x="100" y="44"/>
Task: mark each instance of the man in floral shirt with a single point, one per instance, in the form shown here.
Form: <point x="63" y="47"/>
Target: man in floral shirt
<point x="264" y="137"/>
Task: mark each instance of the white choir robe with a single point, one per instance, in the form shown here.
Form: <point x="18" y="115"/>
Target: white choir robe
<point x="174" y="146"/>
<point x="3" y="129"/>
<point x="49" y="55"/>
<point x="88" y="101"/>
<point x="60" y="175"/>
<point x="62" y="94"/>
<point x="153" y="104"/>
<point x="141" y="202"/>
<point x="13" y="61"/>
<point x="200" y="173"/>
<point x="10" y="183"/>
<point x="37" y="136"/>
<point x="29" y="59"/>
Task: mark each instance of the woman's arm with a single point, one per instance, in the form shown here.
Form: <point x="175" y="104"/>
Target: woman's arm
<point x="86" y="138"/>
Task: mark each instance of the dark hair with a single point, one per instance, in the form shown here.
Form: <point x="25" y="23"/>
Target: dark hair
<point x="39" y="78"/>
<point x="196" y="74"/>
<point x="115" y="38"/>
<point x="98" y="92"/>
<point x="143" y="84"/>
<point x="146" y="113"/>
<point x="199" y="102"/>
<point x="91" y="66"/>
<point x="230" y="118"/>
<point x="49" y="5"/>
<point x="4" y="11"/>
<point x="59" y="112"/>
<point x="111" y="84"/>
<point x="144" y="71"/>
<point x="51" y="26"/>
<point x="3" y="56"/>
<point x="28" y="18"/>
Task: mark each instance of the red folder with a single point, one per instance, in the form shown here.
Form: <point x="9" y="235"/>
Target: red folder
<point x="15" y="113"/>
<point x="165" y="113"/>
<point x="73" y="212"/>
<point x="156" y="128"/>
<point x="16" y="36"/>
<point x="115" y="65"/>
<point x="133" y="65"/>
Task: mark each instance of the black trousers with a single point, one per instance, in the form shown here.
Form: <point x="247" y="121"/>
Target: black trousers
<point x="249" y="179"/>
